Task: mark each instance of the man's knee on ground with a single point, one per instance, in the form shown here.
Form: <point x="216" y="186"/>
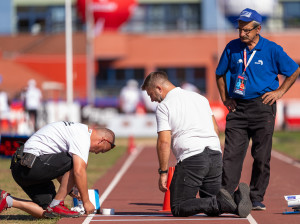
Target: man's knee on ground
<point x="178" y="211"/>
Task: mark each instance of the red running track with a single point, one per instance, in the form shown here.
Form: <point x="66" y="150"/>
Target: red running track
<point x="136" y="198"/>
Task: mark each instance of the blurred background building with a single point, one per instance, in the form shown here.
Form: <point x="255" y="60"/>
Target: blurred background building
<point x="183" y="37"/>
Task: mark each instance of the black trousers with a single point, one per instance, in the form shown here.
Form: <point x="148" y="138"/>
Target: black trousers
<point x="201" y="174"/>
<point x="251" y="120"/>
<point x="37" y="181"/>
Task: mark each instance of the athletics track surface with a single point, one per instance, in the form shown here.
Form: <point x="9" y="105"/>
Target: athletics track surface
<point x="131" y="188"/>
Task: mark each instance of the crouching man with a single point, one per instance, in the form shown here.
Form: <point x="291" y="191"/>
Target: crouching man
<point x="59" y="151"/>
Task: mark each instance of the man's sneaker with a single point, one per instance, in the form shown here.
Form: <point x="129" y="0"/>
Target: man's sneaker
<point x="60" y="211"/>
<point x="3" y="203"/>
<point x="226" y="202"/>
<point x="242" y="199"/>
<point x="257" y="205"/>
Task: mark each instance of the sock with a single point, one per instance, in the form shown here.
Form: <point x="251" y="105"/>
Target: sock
<point x="54" y="203"/>
<point x="9" y="201"/>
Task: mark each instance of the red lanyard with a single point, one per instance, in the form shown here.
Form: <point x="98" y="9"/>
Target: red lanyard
<point x="246" y="64"/>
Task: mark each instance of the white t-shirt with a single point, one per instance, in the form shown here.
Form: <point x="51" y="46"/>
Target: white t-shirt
<point x="33" y="98"/>
<point x="4" y="107"/>
<point x="130" y="97"/>
<point x="189" y="117"/>
<point x="62" y="136"/>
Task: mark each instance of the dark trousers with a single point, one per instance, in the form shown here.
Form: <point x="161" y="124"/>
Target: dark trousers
<point x="37" y="181"/>
<point x="251" y="120"/>
<point x="200" y="173"/>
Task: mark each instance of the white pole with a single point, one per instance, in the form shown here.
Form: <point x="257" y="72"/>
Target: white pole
<point x="90" y="52"/>
<point x="220" y="28"/>
<point x="69" y="55"/>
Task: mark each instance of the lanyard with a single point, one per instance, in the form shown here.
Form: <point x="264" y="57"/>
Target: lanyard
<point x="245" y="59"/>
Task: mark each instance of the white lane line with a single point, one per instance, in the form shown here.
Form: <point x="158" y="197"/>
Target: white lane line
<point x="168" y="217"/>
<point x="251" y="219"/>
<point x="158" y="215"/>
<point x="88" y="219"/>
<point x="119" y="175"/>
<point x="172" y="219"/>
<point x="115" y="181"/>
<point x="282" y="158"/>
<point x="285" y="159"/>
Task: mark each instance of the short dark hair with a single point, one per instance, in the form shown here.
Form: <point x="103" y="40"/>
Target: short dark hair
<point x="153" y="77"/>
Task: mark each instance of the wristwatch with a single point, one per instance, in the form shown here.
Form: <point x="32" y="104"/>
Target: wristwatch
<point x="162" y="171"/>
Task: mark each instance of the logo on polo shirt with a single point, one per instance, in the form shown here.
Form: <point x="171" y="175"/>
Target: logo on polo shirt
<point x="259" y="62"/>
<point x="246" y="14"/>
<point x="240" y="61"/>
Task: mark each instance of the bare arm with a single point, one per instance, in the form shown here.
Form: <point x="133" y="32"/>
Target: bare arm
<point x="228" y="102"/>
<point x="80" y="177"/>
<point x="221" y="83"/>
<point x="271" y="97"/>
<point x="216" y="127"/>
<point x="163" y="153"/>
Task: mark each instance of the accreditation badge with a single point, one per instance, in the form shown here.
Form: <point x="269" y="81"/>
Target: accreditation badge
<point x="240" y="84"/>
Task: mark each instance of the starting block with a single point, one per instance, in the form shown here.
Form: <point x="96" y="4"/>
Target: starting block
<point x="94" y="198"/>
<point x="294" y="202"/>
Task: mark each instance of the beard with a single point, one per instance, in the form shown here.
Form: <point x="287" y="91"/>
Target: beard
<point x="159" y="98"/>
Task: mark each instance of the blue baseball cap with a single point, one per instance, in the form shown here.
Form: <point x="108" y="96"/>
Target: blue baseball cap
<point x="248" y="15"/>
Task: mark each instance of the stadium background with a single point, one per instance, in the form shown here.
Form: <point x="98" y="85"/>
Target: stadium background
<point x="184" y="38"/>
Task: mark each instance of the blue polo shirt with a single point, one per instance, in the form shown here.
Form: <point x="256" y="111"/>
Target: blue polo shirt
<point x="262" y="72"/>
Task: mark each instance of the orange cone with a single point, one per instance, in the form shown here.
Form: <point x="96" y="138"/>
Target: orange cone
<point x="131" y="145"/>
<point x="166" y="205"/>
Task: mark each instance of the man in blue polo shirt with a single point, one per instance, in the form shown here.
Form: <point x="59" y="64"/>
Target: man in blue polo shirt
<point x="252" y="63"/>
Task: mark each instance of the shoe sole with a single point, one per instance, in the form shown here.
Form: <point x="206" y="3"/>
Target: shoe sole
<point x="54" y="215"/>
<point x="245" y="206"/>
<point x="258" y="208"/>
<point x="228" y="198"/>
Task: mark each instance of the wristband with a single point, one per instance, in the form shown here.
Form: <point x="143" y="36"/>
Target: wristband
<point x="162" y="171"/>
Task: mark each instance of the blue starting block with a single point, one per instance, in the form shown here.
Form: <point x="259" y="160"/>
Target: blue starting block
<point x="94" y="198"/>
<point x="294" y="202"/>
<point x="296" y="211"/>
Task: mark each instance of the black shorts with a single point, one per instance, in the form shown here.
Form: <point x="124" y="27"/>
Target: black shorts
<point x="37" y="181"/>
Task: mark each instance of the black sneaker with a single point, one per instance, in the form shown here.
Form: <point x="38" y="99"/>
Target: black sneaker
<point x="226" y="202"/>
<point x="242" y="199"/>
<point x="257" y="205"/>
